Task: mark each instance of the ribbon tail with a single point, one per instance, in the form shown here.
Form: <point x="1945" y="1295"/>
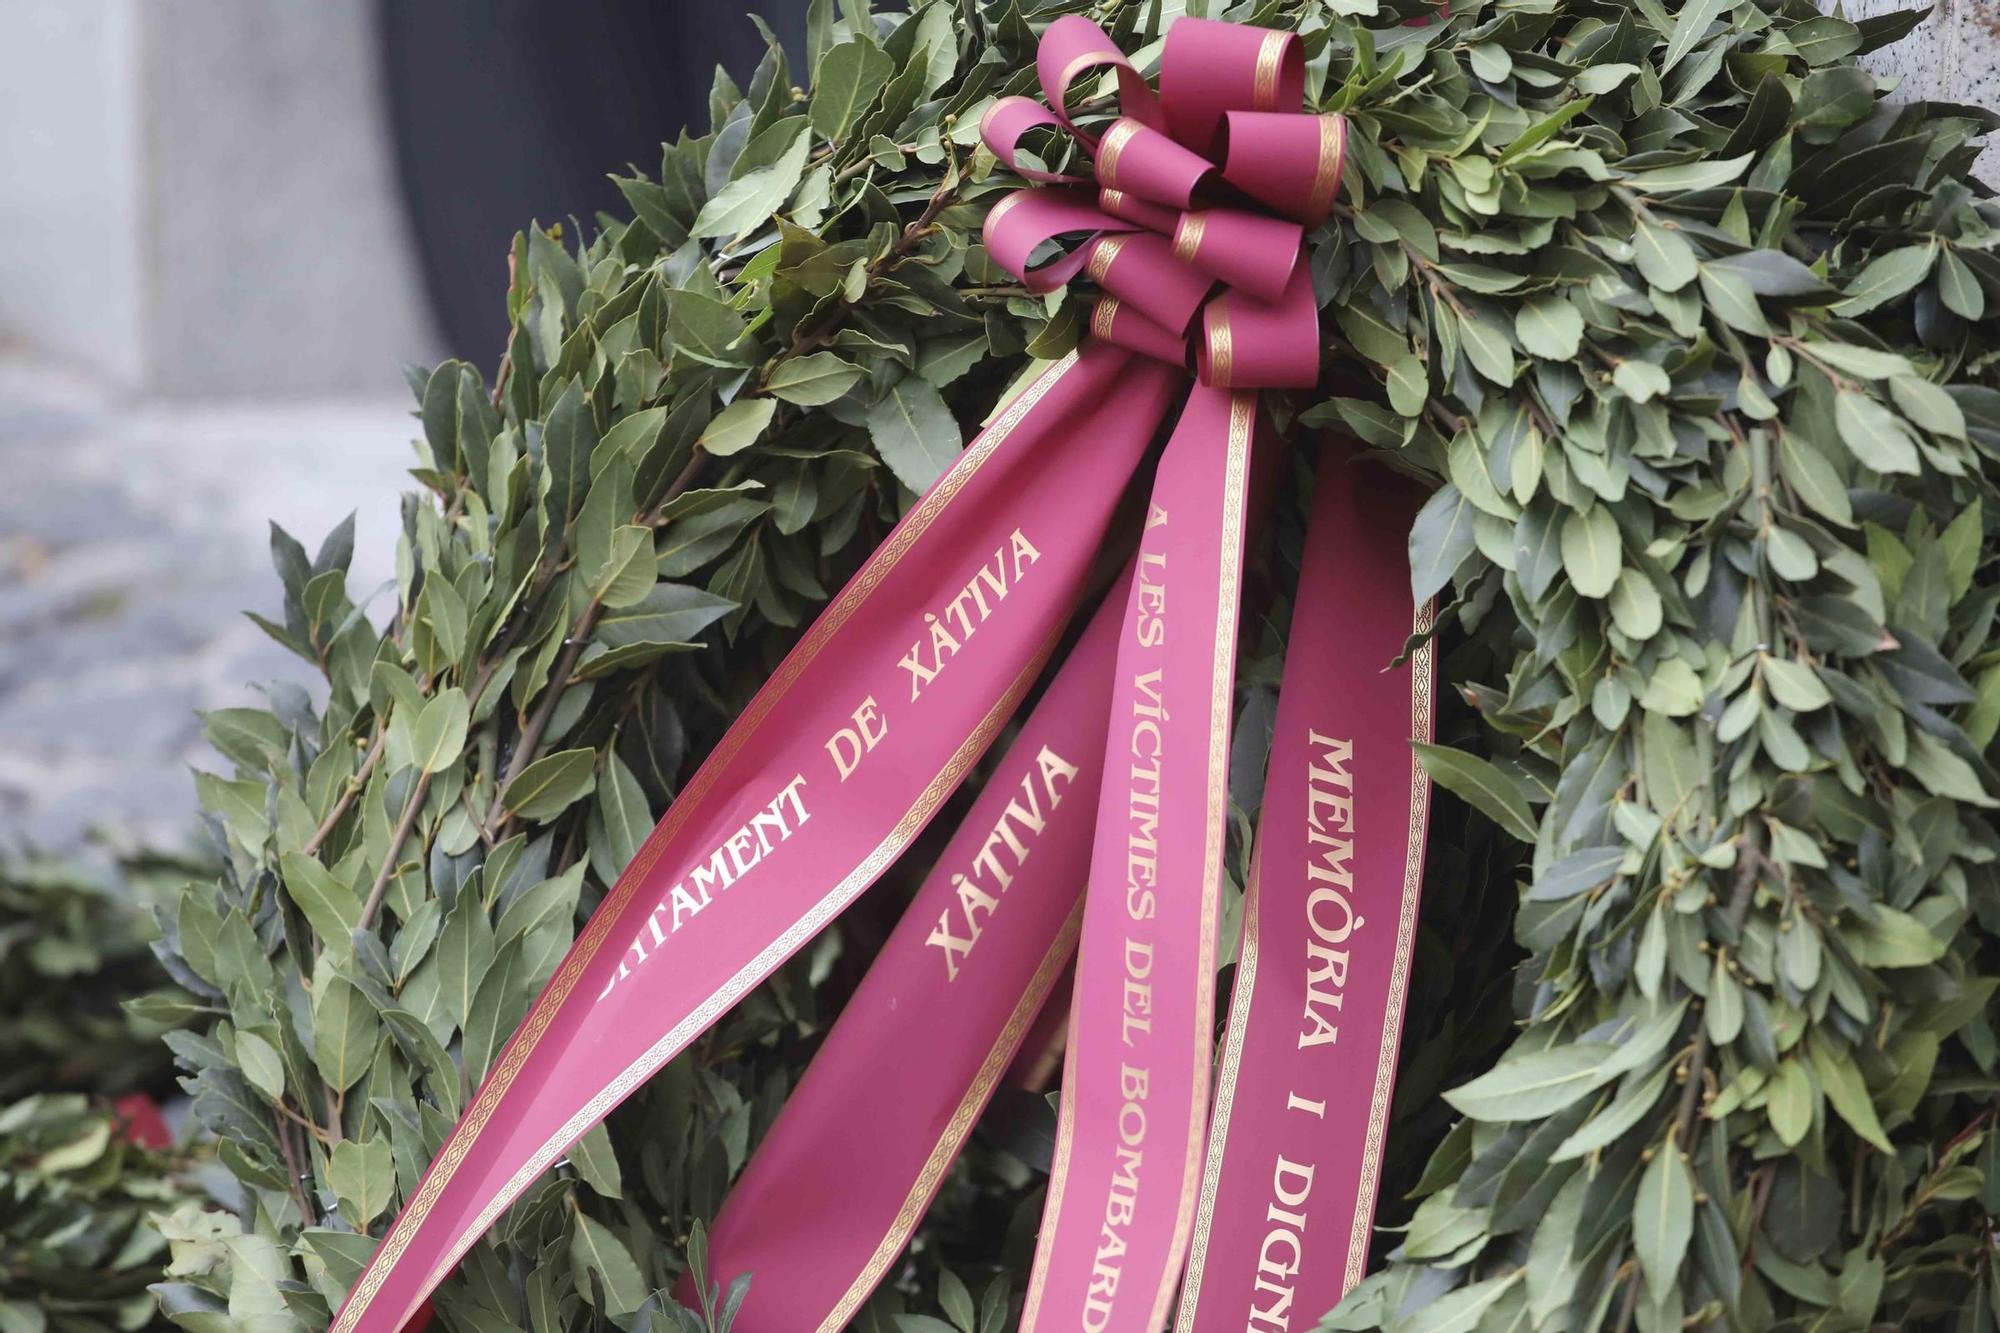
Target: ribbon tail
<point x="1135" y="1092"/>
<point x="831" y="771"/>
<point x="1309" y="1060"/>
<point x="933" y="1027"/>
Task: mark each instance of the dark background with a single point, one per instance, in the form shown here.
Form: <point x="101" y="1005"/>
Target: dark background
<point x="509" y="110"/>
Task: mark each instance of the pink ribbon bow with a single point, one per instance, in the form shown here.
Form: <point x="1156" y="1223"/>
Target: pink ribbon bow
<point x="1214" y="180"/>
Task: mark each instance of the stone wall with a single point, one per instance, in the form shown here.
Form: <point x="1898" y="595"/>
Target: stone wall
<point x="1953" y="56"/>
<point x="70" y="275"/>
<point x="279" y="254"/>
<point x="199" y="198"/>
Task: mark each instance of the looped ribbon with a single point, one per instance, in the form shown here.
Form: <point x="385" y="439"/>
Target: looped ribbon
<point x="1107" y="817"/>
<point x="1194" y="233"/>
<point x="1212" y="182"/>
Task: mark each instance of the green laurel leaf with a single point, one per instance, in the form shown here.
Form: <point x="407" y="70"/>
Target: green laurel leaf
<point x="1590" y="551"/>
<point x="547" y="787"/>
<point x="1663" y="1219"/>
<point x="914" y="432"/>
<point x="1480" y="784"/>
<point x="848" y="79"/>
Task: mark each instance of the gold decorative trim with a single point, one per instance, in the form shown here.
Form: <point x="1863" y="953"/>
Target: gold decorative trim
<point x="1188" y="233"/>
<point x="999" y="210"/>
<point x="1102" y="315"/>
<point x="1421" y="703"/>
<point x="1102" y="254"/>
<point x="1111" y="200"/>
<point x="1052" y="1198"/>
<point x="959" y="1127"/>
<point x="1422" y="707"/>
<point x="522" y="1046"/>
<point x="1326" y="175"/>
<point x="1226" y="1076"/>
<point x="1221" y="350"/>
<point x="1108" y="151"/>
<point x="1270" y="61"/>
<point x="1077" y="65"/>
<point x="1242" y="418"/>
<point x="1229" y="574"/>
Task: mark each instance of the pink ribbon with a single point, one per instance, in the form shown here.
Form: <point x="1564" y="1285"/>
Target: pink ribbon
<point x="1134" y="1111"/>
<point x="1211" y="183"/>
<point x="828" y="775"/>
<point x="925" y="1040"/>
<point x="1203" y="195"/>
<point x="1308" y="1063"/>
<point x="1194" y="235"/>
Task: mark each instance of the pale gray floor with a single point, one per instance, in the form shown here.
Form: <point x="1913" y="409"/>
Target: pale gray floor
<point x="131" y="539"/>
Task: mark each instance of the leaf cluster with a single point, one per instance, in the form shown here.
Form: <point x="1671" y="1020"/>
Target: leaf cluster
<point x="83" y="1001"/>
<point x="80" y="1237"/>
<point x="707" y="415"/>
<point x="76" y="1249"/>
<point x="1692" y="327"/>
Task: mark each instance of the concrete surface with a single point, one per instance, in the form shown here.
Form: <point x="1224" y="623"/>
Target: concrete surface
<point x="70" y="181"/>
<point x="278" y="253"/>
<point x="131" y="540"/>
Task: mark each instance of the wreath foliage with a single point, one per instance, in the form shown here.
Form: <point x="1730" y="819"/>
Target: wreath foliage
<point x="85" y="1210"/>
<point x="1691" y="327"/>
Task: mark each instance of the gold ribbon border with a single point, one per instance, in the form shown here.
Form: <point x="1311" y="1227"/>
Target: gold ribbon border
<point x="960" y="1125"/>
<point x="1242" y="419"/>
<point x="1369" y="1185"/>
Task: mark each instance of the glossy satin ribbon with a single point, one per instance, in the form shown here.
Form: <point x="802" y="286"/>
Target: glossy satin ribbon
<point x="1329" y="924"/>
<point x="1141" y="1038"/>
<point x="1202" y="195"/>
<point x="1210" y="184"/>
<point x="1283" y="1211"/>
<point x="830" y="772"/>
<point x="1123" y="1192"/>
<point x="926" y="1037"/>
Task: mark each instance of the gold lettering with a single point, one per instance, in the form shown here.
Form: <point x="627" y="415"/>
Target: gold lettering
<point x="1149" y="595"/>
<point x="686" y="904"/>
<point x="712" y="875"/>
<point x="1121" y="1199"/>
<point x="955" y="947"/>
<point x="1281" y="1254"/>
<point x="1292" y="1196"/>
<point x="1024" y="553"/>
<point x="849" y="744"/>
<point x="739" y="853"/>
<point x="985" y="590"/>
<point x="1146" y="745"/>
<point x="739" y="845"/>
<point x="1000" y="857"/>
<point x="1052" y="766"/>
<point x="1330" y="916"/>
